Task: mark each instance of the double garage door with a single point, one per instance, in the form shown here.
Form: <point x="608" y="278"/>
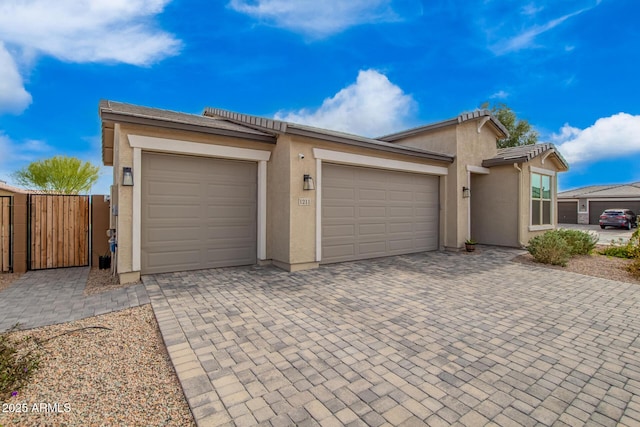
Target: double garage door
<point x="368" y="213"/>
<point x="201" y="213"/>
<point x="197" y="213"/>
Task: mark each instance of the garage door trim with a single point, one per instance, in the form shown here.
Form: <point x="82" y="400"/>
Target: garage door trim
<point x="176" y="146"/>
<point x="360" y="160"/>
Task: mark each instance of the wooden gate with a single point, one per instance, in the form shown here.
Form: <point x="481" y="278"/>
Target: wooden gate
<point x="5" y="234"/>
<point x="58" y="231"/>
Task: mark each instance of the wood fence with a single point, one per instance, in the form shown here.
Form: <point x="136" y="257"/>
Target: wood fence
<point x="5" y="234"/>
<point x="58" y="231"/>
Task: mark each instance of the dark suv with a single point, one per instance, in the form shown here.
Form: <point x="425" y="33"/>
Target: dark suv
<point x="624" y="218"/>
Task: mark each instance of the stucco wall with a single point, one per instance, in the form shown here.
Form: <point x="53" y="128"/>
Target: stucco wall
<point x="441" y="140"/>
<point x="494" y="207"/>
<point x="528" y="231"/>
<point x="279" y="202"/>
<point x="469" y="147"/>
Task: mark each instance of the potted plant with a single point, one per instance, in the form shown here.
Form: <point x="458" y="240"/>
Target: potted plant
<point x="470" y="245"/>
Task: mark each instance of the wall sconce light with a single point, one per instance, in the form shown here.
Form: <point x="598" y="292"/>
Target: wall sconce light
<point x="466" y="192"/>
<point x="127" y="177"/>
<point x="308" y="183"/>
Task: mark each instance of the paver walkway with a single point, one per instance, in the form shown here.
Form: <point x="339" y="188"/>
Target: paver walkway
<point x="47" y="297"/>
<point x="426" y="339"/>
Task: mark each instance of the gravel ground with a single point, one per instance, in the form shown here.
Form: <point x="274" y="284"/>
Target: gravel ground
<point x="6" y="279"/>
<point x="102" y="281"/>
<point x="120" y="376"/>
<point x="591" y="265"/>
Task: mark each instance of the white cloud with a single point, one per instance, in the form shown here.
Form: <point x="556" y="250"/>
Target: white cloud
<point x="501" y="94"/>
<point x="317" y="18"/>
<point x="608" y="137"/>
<point x="88" y="30"/>
<point x="13" y="96"/>
<point x="76" y="31"/>
<point x="527" y="38"/>
<point x="372" y="106"/>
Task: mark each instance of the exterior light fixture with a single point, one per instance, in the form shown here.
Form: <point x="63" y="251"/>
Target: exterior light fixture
<point x="127" y="177"/>
<point x="466" y="192"/>
<point x="308" y="183"/>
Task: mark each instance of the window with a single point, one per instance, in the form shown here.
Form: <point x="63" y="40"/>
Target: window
<point x="540" y="199"/>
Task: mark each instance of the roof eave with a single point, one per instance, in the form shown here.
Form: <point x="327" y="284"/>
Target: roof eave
<point x="292" y="129"/>
<point x="168" y="124"/>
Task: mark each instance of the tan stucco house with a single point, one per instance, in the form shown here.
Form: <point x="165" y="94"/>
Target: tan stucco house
<point x="226" y="189"/>
<point x="9" y="190"/>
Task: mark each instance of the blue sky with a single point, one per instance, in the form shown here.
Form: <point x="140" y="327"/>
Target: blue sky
<point x="368" y="67"/>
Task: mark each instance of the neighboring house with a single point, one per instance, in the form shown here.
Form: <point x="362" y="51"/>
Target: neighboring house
<point x="8" y="190"/>
<point x="225" y="189"/>
<point x="584" y="205"/>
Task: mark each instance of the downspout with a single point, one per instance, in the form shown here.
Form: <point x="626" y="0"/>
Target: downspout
<point x="519" y="216"/>
<point x="469" y="205"/>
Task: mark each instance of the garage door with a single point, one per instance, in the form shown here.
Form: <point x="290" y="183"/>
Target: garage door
<point x="596" y="208"/>
<point x="197" y="213"/>
<point x="369" y="213"/>
<point x="568" y="212"/>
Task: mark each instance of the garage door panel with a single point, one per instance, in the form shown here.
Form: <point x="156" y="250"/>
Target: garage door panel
<point x="339" y="212"/>
<point x="159" y="211"/>
<point x="370" y="229"/>
<point x="240" y="212"/>
<point x="340" y="250"/>
<point x="402" y="227"/>
<point x="204" y="216"/>
<point x="401" y="245"/>
<point x="230" y="232"/>
<point x="373" y="249"/>
<point x="403" y="196"/>
<point x="372" y="194"/>
<point x="176" y="235"/>
<point x="395" y="212"/>
<point x="338" y="230"/>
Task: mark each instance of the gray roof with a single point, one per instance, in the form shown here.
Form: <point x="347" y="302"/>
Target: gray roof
<point x="523" y="153"/>
<point x="611" y="190"/>
<point x="324" y="134"/>
<point x="111" y="111"/>
<point x="456" y="120"/>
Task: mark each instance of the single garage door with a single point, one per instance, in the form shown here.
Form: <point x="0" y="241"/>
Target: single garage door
<point x="596" y="208"/>
<point x="568" y="212"/>
<point x="369" y="213"/>
<point x="197" y="213"/>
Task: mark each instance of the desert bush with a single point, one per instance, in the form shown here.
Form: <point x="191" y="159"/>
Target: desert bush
<point x="580" y="242"/>
<point x="17" y="363"/>
<point x="619" y="249"/>
<point x="550" y="248"/>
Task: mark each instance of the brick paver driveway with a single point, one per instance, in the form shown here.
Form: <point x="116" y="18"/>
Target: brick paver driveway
<point x="426" y="339"/>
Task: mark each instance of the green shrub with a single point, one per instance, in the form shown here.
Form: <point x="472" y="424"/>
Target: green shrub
<point x="580" y="242"/>
<point x="550" y="248"/>
<point x="17" y="363"/>
<point x="617" y="251"/>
